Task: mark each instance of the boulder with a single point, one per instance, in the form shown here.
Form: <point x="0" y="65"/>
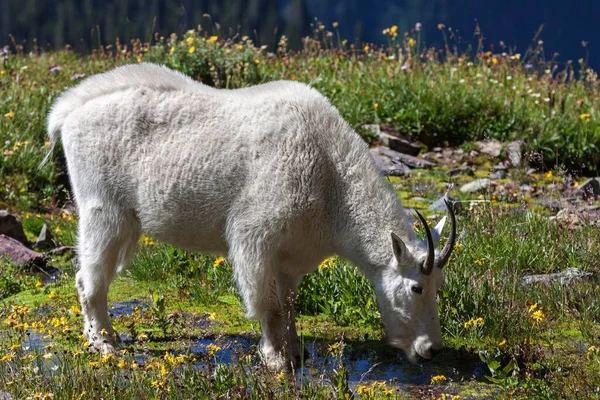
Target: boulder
<point x="411" y="161"/>
<point x="439" y="205"/>
<point x="11" y="227"/>
<point x="387" y="165"/>
<point x="461" y="171"/>
<point x="18" y="253"/>
<point x="590" y="189"/>
<point x="399" y="144"/>
<point x="44" y="240"/>
<point x="476" y="185"/>
<point x="514" y="152"/>
<point x="490" y="147"/>
<point x="564" y="277"/>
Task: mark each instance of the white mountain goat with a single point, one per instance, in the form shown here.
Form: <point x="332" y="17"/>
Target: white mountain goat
<point x="270" y="175"/>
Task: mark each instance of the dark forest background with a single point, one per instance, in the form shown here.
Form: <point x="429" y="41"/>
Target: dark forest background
<point x="84" y="24"/>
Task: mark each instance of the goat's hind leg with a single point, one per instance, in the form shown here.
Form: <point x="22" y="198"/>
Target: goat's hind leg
<point x="100" y="249"/>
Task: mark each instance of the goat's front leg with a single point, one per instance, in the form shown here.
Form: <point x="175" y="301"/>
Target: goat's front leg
<point x="286" y="291"/>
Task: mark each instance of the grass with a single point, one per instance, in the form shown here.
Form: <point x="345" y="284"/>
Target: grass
<point x="534" y="341"/>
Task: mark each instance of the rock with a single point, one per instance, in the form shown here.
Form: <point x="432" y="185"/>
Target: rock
<point x="553" y="204"/>
<point x="411" y="161"/>
<point x="387" y="165"/>
<point x="531" y="171"/>
<point x="437" y="149"/>
<point x="18" y="253"/>
<point x="514" y="152"/>
<point x="473" y="153"/>
<point x="44" y="240"/>
<point x="564" y="277"/>
<point x="398" y="144"/>
<point x="499" y="172"/>
<point x="476" y="185"/>
<point x="11" y="227"/>
<point x="374" y="129"/>
<point x="590" y="188"/>
<point x="62" y="250"/>
<point x="525" y="188"/>
<point x="490" y="147"/>
<point x="439" y="204"/>
<point x="461" y="171"/>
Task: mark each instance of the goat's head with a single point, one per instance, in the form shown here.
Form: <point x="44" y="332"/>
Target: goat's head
<point x="406" y="292"/>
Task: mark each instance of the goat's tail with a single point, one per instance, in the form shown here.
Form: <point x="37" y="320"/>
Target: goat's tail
<point x="61" y="109"/>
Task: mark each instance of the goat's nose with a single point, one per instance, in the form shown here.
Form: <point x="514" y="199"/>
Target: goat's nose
<point x="434" y="351"/>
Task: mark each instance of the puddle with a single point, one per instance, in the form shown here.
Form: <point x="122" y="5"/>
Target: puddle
<point x="125" y="307"/>
<point x="363" y="364"/>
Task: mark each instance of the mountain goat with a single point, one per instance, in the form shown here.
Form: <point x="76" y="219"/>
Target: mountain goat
<point x="270" y="175"/>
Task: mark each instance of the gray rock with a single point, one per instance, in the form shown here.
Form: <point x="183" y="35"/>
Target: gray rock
<point x="387" y="165"/>
<point x="499" y="172"/>
<point x="461" y="171"/>
<point x="553" y="204"/>
<point x="18" y="253"/>
<point x="439" y="204"/>
<point x="514" y="152"/>
<point x="564" y="277"/>
<point x="590" y="188"/>
<point x="476" y="185"/>
<point x="437" y="149"/>
<point x="399" y="144"/>
<point x="374" y="129"/>
<point x="44" y="240"/>
<point x="411" y="161"/>
<point x="62" y="250"/>
<point x="490" y="147"/>
<point x="11" y="227"/>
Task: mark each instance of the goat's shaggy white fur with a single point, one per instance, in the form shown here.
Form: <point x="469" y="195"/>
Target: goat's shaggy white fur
<point x="270" y="175"/>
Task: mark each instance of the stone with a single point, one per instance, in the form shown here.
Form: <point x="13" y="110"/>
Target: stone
<point x="18" y="253"/>
<point x="439" y="204"/>
<point x="411" y="161"/>
<point x="499" y="172"/>
<point x="398" y="144"/>
<point x="62" y="250"/>
<point x="590" y="188"/>
<point x="514" y="153"/>
<point x="476" y="185"/>
<point x="373" y="129"/>
<point x="44" y="240"/>
<point x="553" y="204"/>
<point x="461" y="171"/>
<point x="564" y="277"/>
<point x="490" y="147"/>
<point x="11" y="227"/>
<point x="387" y="165"/>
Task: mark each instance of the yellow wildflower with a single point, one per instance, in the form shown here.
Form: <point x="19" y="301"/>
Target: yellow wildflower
<point x="502" y="343"/>
<point x="39" y="284"/>
<point x="335" y="24"/>
<point x="393" y="29"/>
<point x="163" y="370"/>
<point x="76" y="310"/>
<point x="376" y="106"/>
<point x="212" y="348"/>
<point x="10" y="115"/>
<point x="172" y="50"/>
<point x="140" y="57"/>
<point x="7" y="357"/>
<point x="494" y="60"/>
<point x="474" y="323"/>
<point x="366" y="48"/>
<point x="2" y="72"/>
<point x="218" y="262"/>
<point x="441" y="26"/>
<point x="192" y="49"/>
<point x="281" y="376"/>
<point x="533" y="307"/>
<point x="438" y="379"/>
<point x="213" y="38"/>
<point x="538" y="316"/>
<point x="212" y="316"/>
<point x="515" y="57"/>
<point x="47" y="356"/>
<point x="549" y="174"/>
<point x="412" y="42"/>
<point x="52" y="295"/>
<point x="189" y="40"/>
<point x="134" y="365"/>
<point x="147" y="241"/>
<point x="256" y="61"/>
<point x="121" y="364"/>
<point x="584" y="116"/>
<point x="57" y="230"/>
<point x="47" y="144"/>
<point x="327" y="263"/>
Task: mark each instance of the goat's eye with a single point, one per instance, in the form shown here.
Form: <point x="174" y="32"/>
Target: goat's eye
<point x="417" y="289"/>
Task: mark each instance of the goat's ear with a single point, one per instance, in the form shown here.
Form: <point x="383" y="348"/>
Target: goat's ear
<point x="399" y="247"/>
<point x="436" y="234"/>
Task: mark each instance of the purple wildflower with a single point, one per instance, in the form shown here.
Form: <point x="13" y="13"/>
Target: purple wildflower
<point x="77" y="76"/>
<point x="404" y="67"/>
<point x="528" y="66"/>
<point x="56" y="69"/>
<point x="418" y="26"/>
